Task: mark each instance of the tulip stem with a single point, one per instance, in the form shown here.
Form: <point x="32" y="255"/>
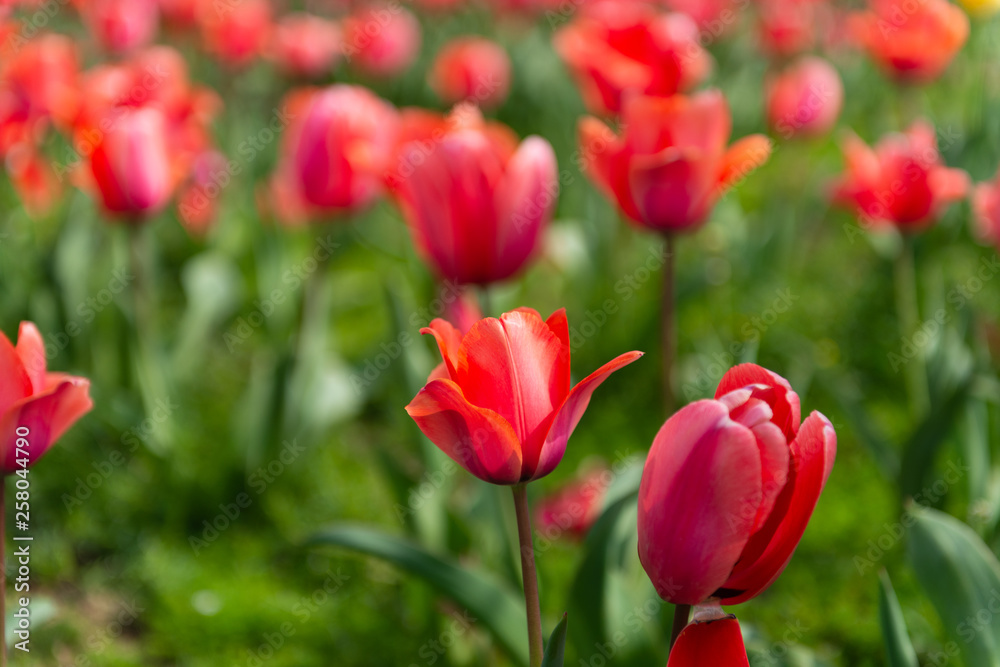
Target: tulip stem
<point x="907" y="309"/>
<point x="528" y="574"/>
<point x="668" y="327"/>
<point x="681" y="614"/>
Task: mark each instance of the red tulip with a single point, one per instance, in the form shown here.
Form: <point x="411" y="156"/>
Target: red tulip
<point x="986" y="210"/>
<point x="180" y="13"/>
<point x="671" y="165"/>
<point x="618" y="48"/>
<point x="728" y="488"/>
<point x="35" y="405"/>
<point x="574" y="508"/>
<point x="342" y="146"/>
<point x="234" y="31"/>
<point x="305" y="45"/>
<point x="131" y="164"/>
<point x="475" y="201"/>
<point x="714" y="18"/>
<point x="902" y="182"/>
<point x="121" y="25"/>
<point x="38" y="85"/>
<point x="788" y="27"/>
<point x="716" y="641"/>
<point x="912" y="41"/>
<point x="472" y="69"/>
<point x="381" y="40"/>
<point x="506" y="409"/>
<point x="805" y="98"/>
<point x="33" y="179"/>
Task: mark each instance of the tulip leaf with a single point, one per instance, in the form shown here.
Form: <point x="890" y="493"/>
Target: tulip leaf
<point x="898" y="648"/>
<point x="557" y="645"/>
<point x="922" y="447"/>
<point x="496" y="606"/>
<point x="962" y="579"/>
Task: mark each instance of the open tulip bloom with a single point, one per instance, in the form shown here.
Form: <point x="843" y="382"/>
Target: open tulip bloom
<point x="726" y="493"/>
<point x="503" y="409"/>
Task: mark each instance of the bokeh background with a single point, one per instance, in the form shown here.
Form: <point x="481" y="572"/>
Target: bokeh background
<point x="208" y="394"/>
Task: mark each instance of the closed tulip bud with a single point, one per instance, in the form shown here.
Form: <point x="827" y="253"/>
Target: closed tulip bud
<point x="506" y="409"/>
<point x="381" y="40"/>
<point x="475" y="200"/>
<point x="912" y="42"/>
<point x="36" y="406"/>
<point x="788" y="27"/>
<point x="672" y="163"/>
<point x="901" y="183"/>
<point x="728" y="488"/>
<point x="122" y="25"/>
<point x="342" y="147"/>
<point x="131" y="164"/>
<point x="305" y="45"/>
<point x="615" y="49"/>
<point x="804" y="99"/>
<point x="471" y="69"/>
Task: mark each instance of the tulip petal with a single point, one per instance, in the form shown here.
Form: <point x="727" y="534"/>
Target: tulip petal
<point x="949" y="185"/>
<point x="449" y="340"/>
<point x="672" y="190"/>
<point x="783" y="401"/>
<point x="698" y="498"/>
<point x="770" y="549"/>
<point x="604" y="160"/>
<point x="31" y="349"/>
<point x="515" y="366"/>
<point x="524" y="200"/>
<point x="47" y="416"/>
<point x="15" y="383"/>
<point x="744" y="156"/>
<point x="478" y="439"/>
<point x="572" y="410"/>
<point x="718" y="642"/>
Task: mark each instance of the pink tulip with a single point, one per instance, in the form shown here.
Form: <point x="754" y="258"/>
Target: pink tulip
<point x="986" y="211"/>
<point x="728" y="488"/>
<point x="471" y="69"/>
<point x="305" y="45"/>
<point x="381" y="40"/>
<point x="342" y="147"/>
<point x="476" y="201"/>
<point x="121" y="25"/>
<point x="235" y="32"/>
<point x="804" y="99"/>
<point x="131" y="164"/>
<point x="672" y="162"/>
<point x="36" y="407"/>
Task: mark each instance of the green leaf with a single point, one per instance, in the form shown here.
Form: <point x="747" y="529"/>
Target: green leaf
<point x="898" y="649"/>
<point x="494" y="605"/>
<point x="922" y="447"/>
<point x="557" y="645"/>
<point x="962" y="579"/>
